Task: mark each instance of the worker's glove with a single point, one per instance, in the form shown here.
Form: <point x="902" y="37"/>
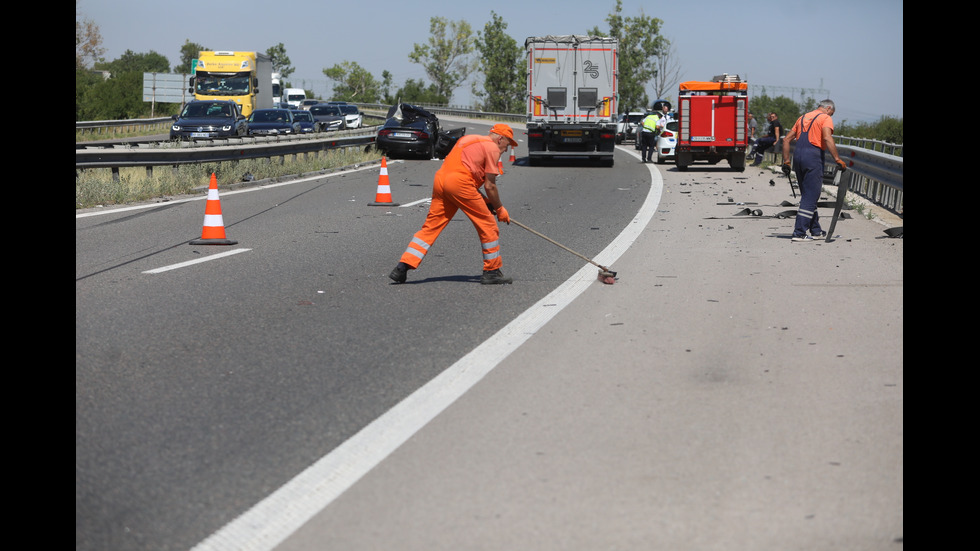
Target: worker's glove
<point x="786" y="168"/>
<point x="841" y="166"/>
<point x="502" y="215"/>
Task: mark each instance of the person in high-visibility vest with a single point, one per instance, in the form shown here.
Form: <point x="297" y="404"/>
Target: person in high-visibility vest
<point x="471" y="164"/>
<point x="648" y="135"/>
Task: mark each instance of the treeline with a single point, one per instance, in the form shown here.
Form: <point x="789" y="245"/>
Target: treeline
<point x="115" y="90"/>
<point x="886" y="129"/>
<point x="489" y="61"/>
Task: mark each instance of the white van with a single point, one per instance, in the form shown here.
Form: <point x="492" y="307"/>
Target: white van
<point x="294" y="97"/>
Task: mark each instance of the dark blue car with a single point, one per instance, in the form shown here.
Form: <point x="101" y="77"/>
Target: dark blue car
<point x="205" y="119"/>
<point x="272" y="122"/>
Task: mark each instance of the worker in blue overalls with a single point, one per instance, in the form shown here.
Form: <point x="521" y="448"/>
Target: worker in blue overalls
<point x="814" y="133"/>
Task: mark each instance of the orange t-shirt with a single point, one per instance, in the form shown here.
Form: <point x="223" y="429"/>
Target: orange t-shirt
<point x="815" y="132"/>
<point x="471" y="159"/>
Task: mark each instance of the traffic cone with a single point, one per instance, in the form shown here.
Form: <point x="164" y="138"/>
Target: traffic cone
<point x="214" y="226"/>
<point x="500" y="165"/>
<point x="512" y="158"/>
<point x="383" y="197"/>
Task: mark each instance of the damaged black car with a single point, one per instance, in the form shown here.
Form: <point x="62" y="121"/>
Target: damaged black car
<point x="411" y="131"/>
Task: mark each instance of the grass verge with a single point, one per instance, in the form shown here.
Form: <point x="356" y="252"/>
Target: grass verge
<point x="98" y="187"/>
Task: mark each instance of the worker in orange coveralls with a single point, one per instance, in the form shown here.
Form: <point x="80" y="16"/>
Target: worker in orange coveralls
<point x="472" y="164"/>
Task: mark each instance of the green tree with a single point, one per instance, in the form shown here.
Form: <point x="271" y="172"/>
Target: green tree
<point x="886" y="129"/>
<point x="120" y="96"/>
<point x="415" y="91"/>
<point x="116" y="98"/>
<point x="85" y="80"/>
<point x="353" y="83"/>
<point x="446" y="56"/>
<point x="785" y="108"/>
<point x="131" y="62"/>
<point x="385" y="89"/>
<point x="188" y="53"/>
<point x="280" y="61"/>
<point x="504" y="74"/>
<point x="640" y="45"/>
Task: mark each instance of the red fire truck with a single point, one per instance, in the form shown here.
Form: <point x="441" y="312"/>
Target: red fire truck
<point x="712" y="118"/>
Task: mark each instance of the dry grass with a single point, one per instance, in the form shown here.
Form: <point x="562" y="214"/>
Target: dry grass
<point x="97" y="187"/>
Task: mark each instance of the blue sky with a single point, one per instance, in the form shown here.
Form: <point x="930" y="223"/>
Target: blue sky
<point x="854" y="49"/>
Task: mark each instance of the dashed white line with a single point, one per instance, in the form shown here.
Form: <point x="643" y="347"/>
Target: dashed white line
<point x="195" y="261"/>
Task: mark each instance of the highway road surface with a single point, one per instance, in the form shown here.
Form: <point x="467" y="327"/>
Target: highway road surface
<point x="732" y="389"/>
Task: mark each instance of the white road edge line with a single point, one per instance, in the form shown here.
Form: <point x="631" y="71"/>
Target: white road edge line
<point x="195" y="261"/>
<point x="275" y="518"/>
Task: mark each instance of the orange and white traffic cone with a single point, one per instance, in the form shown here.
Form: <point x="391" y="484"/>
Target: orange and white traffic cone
<point x="512" y="158"/>
<point x="383" y="196"/>
<point x="214" y="225"/>
<point x="500" y="165"/>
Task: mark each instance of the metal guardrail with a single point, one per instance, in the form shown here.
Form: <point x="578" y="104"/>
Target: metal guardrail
<point x="161" y="124"/>
<point x="230" y="149"/>
<point x="876" y="176"/>
<point x="875" y="172"/>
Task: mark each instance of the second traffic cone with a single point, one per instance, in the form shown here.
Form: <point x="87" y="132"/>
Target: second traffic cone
<point x="512" y="158"/>
<point x="383" y="196"/>
<point x="214" y="225"/>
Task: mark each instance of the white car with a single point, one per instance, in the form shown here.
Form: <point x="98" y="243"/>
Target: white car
<point x="352" y="116"/>
<point x="628" y="125"/>
<point x="666" y="142"/>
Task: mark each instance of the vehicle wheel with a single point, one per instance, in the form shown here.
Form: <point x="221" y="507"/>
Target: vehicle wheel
<point x="660" y="160"/>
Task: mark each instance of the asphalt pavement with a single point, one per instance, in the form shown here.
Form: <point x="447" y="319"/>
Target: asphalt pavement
<point x="732" y="390"/>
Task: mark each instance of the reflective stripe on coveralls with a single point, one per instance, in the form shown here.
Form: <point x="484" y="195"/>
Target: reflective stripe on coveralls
<point x="456" y="187"/>
<point x="808" y="163"/>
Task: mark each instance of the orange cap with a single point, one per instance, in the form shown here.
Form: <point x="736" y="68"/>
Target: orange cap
<point x="504" y="131"/>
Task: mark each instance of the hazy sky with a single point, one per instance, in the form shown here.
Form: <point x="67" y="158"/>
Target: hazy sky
<point x="851" y="48"/>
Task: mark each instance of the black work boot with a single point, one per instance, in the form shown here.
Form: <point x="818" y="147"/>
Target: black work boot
<point x="494" y="277"/>
<point x="400" y="273"/>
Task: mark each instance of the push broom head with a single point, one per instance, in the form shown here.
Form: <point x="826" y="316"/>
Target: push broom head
<point x="606" y="276"/>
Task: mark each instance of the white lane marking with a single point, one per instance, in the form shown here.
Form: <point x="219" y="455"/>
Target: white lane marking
<point x="195" y="261"/>
<point x="275" y="518"/>
<point x="419" y="202"/>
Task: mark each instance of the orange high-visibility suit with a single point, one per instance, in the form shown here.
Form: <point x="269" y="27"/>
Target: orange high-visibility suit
<point x="457" y="186"/>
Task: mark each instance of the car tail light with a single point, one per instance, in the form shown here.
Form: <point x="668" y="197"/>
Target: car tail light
<point x="667" y="134"/>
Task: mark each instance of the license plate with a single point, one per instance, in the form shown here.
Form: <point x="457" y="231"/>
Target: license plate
<point x="402" y="134"/>
<point x="572" y="140"/>
<point x="702" y="138"/>
<point x="200" y="134"/>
